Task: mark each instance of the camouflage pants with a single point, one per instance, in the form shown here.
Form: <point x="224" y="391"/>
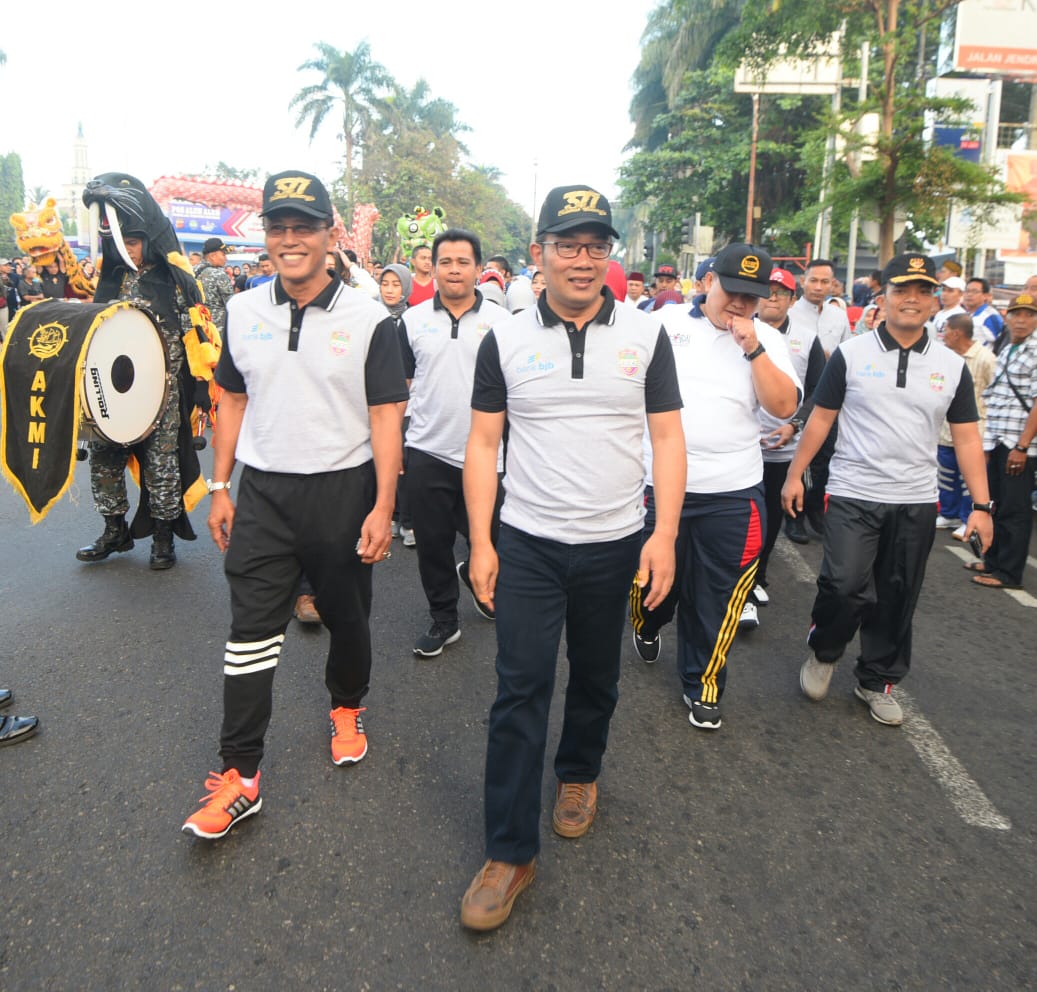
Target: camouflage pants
<point x="160" y="468"/>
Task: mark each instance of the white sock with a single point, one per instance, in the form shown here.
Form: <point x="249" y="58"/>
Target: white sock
<point x="248" y="782"/>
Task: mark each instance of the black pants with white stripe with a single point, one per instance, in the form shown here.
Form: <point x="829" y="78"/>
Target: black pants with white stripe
<point x="870" y="578"/>
<point x="285" y="525"/>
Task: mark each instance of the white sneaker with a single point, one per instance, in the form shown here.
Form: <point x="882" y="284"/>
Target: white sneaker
<point x="395" y="528"/>
<point x="946" y="523"/>
<point x="407" y="534"/>
<point x="883" y="706"/>
<point x="959" y="533"/>
<point x="814" y="677"/>
<point x="750" y="618"/>
<point x="760" y="595"/>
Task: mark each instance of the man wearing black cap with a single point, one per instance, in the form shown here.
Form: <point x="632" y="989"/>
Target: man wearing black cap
<point x="575" y="377"/>
<point x="891" y="389"/>
<point x="312" y="379"/>
<point x="666" y="279"/>
<point x="216" y="284"/>
<point x="729" y="364"/>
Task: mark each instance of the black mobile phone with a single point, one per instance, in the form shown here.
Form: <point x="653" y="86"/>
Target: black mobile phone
<point x="976" y="543"/>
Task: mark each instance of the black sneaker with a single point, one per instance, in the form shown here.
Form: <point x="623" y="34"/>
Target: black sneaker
<point x="483" y="609"/>
<point x="705" y="716"/>
<point x="647" y="651"/>
<point x="440" y="634"/>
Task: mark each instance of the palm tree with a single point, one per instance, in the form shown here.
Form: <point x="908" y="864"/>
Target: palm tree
<point x="350" y="82"/>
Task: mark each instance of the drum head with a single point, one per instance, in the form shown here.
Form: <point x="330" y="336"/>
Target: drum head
<point x="124" y="377"/>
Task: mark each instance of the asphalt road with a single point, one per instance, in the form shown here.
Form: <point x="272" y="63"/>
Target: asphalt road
<point x="804" y="846"/>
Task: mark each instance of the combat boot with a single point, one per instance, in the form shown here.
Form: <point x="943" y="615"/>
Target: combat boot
<point x="162" y="554"/>
<point x="116" y="538"/>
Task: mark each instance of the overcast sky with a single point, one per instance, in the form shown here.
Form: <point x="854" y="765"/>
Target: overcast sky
<point x="166" y="89"/>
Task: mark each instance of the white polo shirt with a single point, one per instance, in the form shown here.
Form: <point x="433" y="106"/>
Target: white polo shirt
<point x="576" y="401"/>
<point x="721" y="426"/>
<point x="830" y="323"/>
<point x="892" y="402"/>
<point x="439" y="357"/>
<point x="310" y="374"/>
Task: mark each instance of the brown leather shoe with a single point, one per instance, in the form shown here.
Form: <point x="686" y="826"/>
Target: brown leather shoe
<point x="305" y="611"/>
<point x="576" y="804"/>
<point x="488" y="901"/>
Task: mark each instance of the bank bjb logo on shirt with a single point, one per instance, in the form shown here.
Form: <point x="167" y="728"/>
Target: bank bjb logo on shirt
<point x="535" y="363"/>
<point x="629" y="361"/>
<point x="936" y="382"/>
<point x="339" y="342"/>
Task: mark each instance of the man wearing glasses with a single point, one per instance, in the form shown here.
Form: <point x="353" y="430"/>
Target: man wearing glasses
<point x="575" y="377"/>
<point x="312" y="379"/>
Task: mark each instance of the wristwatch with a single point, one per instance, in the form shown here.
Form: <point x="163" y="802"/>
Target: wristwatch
<point x="755" y="353"/>
<point x="984" y="507"/>
<point x="797" y="425"/>
<point x="1022" y="448"/>
<point x="214" y="486"/>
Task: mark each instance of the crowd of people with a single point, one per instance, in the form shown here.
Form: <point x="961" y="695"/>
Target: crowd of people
<point x="610" y="450"/>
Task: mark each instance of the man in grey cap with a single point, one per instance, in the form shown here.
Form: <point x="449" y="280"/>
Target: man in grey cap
<point x="575" y="377"/>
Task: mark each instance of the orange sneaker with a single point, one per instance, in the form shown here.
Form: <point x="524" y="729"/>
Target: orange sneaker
<point x="229" y="802"/>
<point x="348" y="740"/>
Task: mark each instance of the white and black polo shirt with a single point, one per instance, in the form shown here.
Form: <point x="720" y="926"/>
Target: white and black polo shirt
<point x="308" y="394"/>
<point x="829" y="323"/>
<point x="576" y="400"/>
<point x="439" y="353"/>
<point x="721" y="429"/>
<point x="808" y="359"/>
<point x="892" y="402"/>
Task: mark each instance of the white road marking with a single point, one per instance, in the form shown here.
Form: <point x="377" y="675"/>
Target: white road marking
<point x="787" y="552"/>
<point x="1022" y="597"/>
<point x="964" y="794"/>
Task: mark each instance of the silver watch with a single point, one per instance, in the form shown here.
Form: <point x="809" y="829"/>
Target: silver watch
<point x="214" y="486"/>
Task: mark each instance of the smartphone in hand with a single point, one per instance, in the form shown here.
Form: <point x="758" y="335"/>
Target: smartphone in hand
<point x="976" y="543"/>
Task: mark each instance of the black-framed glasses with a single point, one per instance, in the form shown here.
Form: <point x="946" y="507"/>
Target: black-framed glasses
<point x="300" y="230"/>
<point x="572" y="249"/>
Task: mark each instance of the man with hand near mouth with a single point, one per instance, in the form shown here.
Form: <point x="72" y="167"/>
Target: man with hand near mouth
<point x="728" y="365"/>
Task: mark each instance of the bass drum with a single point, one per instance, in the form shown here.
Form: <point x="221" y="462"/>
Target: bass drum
<point x="125" y="382"/>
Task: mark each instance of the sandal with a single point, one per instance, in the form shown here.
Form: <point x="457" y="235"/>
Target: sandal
<point x="976" y="566"/>
<point x="993" y="582"/>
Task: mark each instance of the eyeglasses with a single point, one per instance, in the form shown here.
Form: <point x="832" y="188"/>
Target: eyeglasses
<point x="572" y="249"/>
<point x="300" y="230"/>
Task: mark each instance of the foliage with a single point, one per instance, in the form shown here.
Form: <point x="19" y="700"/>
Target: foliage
<point x="35" y="195"/>
<point x="351" y="82"/>
<point x="12" y="193"/>
<point x="703" y="167"/>
<point x="229" y="173"/>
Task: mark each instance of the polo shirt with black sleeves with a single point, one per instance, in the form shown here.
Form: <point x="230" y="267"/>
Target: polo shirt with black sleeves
<point x="309" y="382"/>
<point x="576" y="400"/>
<point x="892" y="402"/>
<point x="439" y="356"/>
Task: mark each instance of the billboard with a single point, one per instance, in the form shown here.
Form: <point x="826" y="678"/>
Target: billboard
<point x="995" y="37"/>
<point x="198" y="221"/>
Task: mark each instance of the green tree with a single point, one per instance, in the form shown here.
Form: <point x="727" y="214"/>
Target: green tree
<point x="906" y="175"/>
<point x="12" y="198"/>
<point x="226" y="172"/>
<point x="350" y="83"/>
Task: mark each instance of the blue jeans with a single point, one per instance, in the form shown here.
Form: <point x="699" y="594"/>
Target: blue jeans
<point x="542" y="586"/>
<point x="955" y="500"/>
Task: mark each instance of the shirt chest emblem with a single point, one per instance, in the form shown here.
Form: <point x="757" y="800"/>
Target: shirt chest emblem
<point x="339" y="342"/>
<point x="628" y="361"/>
<point x="937" y="380"/>
<point x="870" y="372"/>
<point x="257" y="332"/>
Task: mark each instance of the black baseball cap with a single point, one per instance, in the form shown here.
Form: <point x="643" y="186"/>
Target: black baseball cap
<point x="910" y="267"/>
<point x="298" y="191"/>
<point x="744" y="269"/>
<point x="667" y="271"/>
<point x="214" y="244"/>
<point x="567" y="207"/>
